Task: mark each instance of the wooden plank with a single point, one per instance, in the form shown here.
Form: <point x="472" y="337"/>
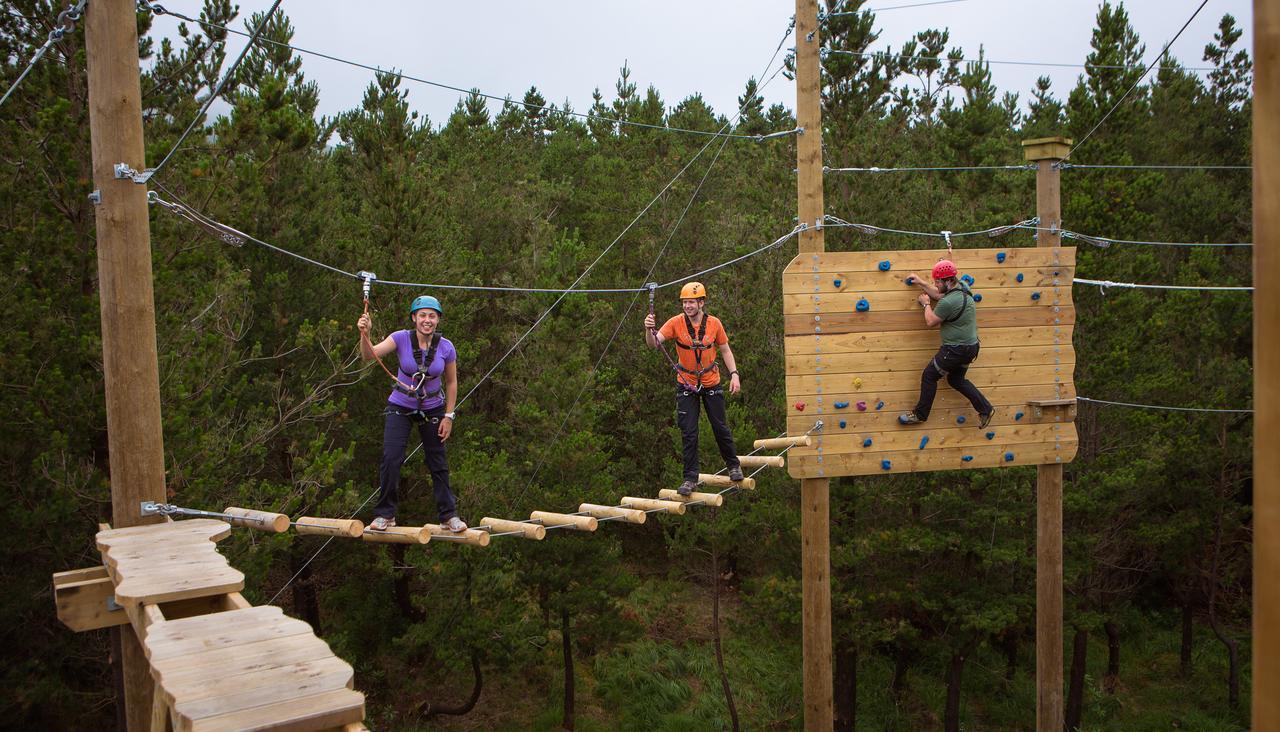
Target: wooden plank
<point x="940" y="418"/>
<point x="821" y="406"/>
<point x="184" y="628"/>
<point x="170" y="587"/>
<point x="912" y="461"/>
<point x="905" y="299"/>
<point x="795" y="283"/>
<point x="981" y="376"/>
<point x="331" y="671"/>
<point x="940" y="438"/>
<point x="915" y="361"/>
<point x="316" y="712"/>
<point x="242" y="659"/>
<point x="211" y="528"/>
<point x="228" y="638"/>
<point x="81" y="596"/>
<point x="915" y="340"/>
<point x="922" y="260"/>
<point x="835" y="323"/>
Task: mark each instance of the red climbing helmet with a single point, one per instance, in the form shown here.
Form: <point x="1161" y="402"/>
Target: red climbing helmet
<point x="944" y="269"/>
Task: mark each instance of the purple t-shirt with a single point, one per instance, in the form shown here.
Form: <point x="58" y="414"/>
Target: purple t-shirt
<point x="445" y="353"/>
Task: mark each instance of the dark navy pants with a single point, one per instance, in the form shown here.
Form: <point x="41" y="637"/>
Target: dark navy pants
<point x="687" y="403"/>
<point x="395" y="438"/>
<point x="953" y="363"/>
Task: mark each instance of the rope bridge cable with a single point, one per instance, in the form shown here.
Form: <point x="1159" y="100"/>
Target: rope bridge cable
<point x="1050" y="64"/>
<point x="1062" y="165"/>
<point x="1161" y="407"/>
<point x="213" y="95"/>
<point x="837" y="222"/>
<point x="65" y="23"/>
<point x="837" y="13"/>
<point x="1105" y="284"/>
<point x="161" y="10"/>
<point x="1104" y="242"/>
<point x="950" y="168"/>
<point x="1163" y="52"/>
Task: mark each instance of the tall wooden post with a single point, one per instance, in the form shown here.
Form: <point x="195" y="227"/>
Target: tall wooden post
<point x="1266" y="364"/>
<point x="1046" y="153"/>
<point x="815" y="493"/>
<point x="130" y="368"/>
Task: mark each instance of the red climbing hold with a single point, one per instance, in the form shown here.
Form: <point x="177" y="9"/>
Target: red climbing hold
<point x="799" y="406"/>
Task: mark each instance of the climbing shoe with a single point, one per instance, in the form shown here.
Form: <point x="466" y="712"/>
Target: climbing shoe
<point x="456" y="525"/>
<point x="686" y="488"/>
<point x="909" y="418"/>
<point x="382" y="524"/>
<point x="985" y="419"/>
<point x="735" y="473"/>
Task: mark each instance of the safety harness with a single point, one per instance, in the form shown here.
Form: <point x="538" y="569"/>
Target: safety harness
<point x="420" y="376"/>
<point x="964" y="303"/>
<point x="697" y="346"/>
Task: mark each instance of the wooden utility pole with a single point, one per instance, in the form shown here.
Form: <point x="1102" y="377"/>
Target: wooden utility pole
<point x="1266" y="364"/>
<point x="1047" y="153"/>
<point x="130" y="368"/>
<point x="815" y="493"/>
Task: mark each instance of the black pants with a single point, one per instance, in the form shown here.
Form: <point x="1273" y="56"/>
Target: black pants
<point x="395" y="437"/>
<point x="953" y="363"/>
<point x="687" y="403"/>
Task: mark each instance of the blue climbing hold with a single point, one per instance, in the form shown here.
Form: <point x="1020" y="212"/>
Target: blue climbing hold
<point x="1017" y="416"/>
<point x="924" y="441"/>
<point x="960" y="419"/>
<point x="886" y="465"/>
<point x="977" y="297"/>
<point x="967" y="279"/>
<point x="991" y="435"/>
<point x="837" y="283"/>
<point x="885" y="266"/>
<point x="1035" y="296"/>
<point x="866" y="442"/>
<point x="843" y="424"/>
<point x="910" y="280"/>
<point x="879" y="406"/>
<point x="841" y="405"/>
<point x="967" y="458"/>
<point x="1000" y="257"/>
<point x="1008" y="457"/>
<point x="1019" y="277"/>
<point x="863" y="306"/>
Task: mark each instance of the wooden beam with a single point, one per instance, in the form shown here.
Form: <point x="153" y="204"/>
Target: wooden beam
<point x="348" y="528"/>
<point x="470" y="537"/>
<point x="274" y="523"/>
<point x="131" y="373"/>
<point x="651" y="504"/>
<point x="398" y="535"/>
<point x="1266" y="364"/>
<point x="1047" y="153"/>
<point x="762" y="461"/>
<point x="706" y="499"/>
<point x="536" y="532"/>
<point x="778" y="443"/>
<point x="628" y="515"/>
<point x="556" y="520"/>
<point x="85" y="600"/>
<point x="722" y="481"/>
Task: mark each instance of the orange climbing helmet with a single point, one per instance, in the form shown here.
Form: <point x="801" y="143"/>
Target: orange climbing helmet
<point x="944" y="270"/>
<point x="692" y="290"/>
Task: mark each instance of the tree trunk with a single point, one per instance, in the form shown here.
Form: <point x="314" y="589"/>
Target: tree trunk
<point x="846" y="688"/>
<point x="955" y="673"/>
<point x="901" y="664"/>
<point x="430" y="711"/>
<point x="305" y="604"/>
<point x="1233" y="647"/>
<point x="715" y="629"/>
<point x="1188" y="638"/>
<point x="1075" y="687"/>
<point x="1009" y="646"/>
<point x="1112" y="678"/>
<point x="400" y="588"/>
<point x="567" y="644"/>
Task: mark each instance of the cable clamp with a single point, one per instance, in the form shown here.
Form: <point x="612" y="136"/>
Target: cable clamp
<point x="95" y="197"/>
<point x="123" y="170"/>
<point x="947" y="235"/>
<point x="152" y="508"/>
<point x="818" y="224"/>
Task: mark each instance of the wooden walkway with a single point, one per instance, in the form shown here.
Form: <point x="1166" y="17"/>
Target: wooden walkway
<point x="218" y="662"/>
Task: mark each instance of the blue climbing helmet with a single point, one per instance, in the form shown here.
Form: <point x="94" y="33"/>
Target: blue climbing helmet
<point x="425" y="301"/>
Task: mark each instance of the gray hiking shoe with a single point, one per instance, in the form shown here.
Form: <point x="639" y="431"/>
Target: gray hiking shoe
<point x="985" y="419"/>
<point x="908" y="418"/>
<point x="735" y="473"/>
<point x="686" y="488"/>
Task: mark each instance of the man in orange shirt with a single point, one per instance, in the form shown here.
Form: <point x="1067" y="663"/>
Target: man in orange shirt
<point x="696" y="336"/>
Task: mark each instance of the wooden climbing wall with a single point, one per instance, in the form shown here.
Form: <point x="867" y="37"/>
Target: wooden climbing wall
<point x="856" y="371"/>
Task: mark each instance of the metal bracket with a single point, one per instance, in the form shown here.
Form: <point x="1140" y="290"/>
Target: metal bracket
<point x="112" y="605"/>
<point x="818" y="224"/>
<point x="123" y="170"/>
<point x="151" y="508"/>
<point x="817" y="426"/>
<point x="95" y="197"/>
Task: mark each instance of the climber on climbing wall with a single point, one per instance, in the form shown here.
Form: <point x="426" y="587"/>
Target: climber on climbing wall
<point x="697" y="337"/>
<point x="956" y="314"/>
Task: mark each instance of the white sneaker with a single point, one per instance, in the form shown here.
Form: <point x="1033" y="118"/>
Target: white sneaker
<point x="382" y="524"/>
<point x="455" y="524"/>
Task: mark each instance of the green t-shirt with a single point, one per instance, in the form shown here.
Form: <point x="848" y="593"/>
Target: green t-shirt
<point x="959" y="315"/>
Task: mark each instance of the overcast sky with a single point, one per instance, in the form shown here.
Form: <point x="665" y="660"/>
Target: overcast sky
<point x="567" y="48"/>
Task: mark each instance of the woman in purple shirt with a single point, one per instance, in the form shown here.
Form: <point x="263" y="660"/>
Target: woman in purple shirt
<point x="426" y="390"/>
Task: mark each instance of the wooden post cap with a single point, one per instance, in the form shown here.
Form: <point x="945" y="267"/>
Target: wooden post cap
<point x="629" y="515"/>
<point x="651" y="504"/>
<point x="707" y="499"/>
<point x="777" y="443"/>
<point x="349" y="528"/>
<point x="274" y="523"/>
<point x="577" y="523"/>
<point x="398" y="535"/>
<point x="526" y="530"/>
<point x="762" y="461"/>
<point x="1046" y="148"/>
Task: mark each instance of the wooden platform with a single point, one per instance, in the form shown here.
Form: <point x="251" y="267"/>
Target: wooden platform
<point x="218" y="662"/>
<point x="856" y="371"/>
